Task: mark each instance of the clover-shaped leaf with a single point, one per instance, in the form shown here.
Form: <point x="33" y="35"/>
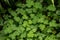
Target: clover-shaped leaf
<point x="20" y="11"/>
<point x="29" y="3"/>
<point x="42" y="26"/>
<point x="24" y="17"/>
<point x="30" y="21"/>
<point x="38" y="5"/>
<point x="30" y="34"/>
<point x="53" y="23"/>
<point x="17" y="19"/>
<point x="51" y="8"/>
<point x="51" y="37"/>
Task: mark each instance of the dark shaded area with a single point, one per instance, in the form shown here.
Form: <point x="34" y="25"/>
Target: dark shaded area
<point x="56" y="3"/>
<point x="16" y="23"/>
<point x="20" y="15"/>
<point x="38" y="30"/>
<point x="1" y="27"/>
<point x="57" y="30"/>
<point x="44" y="3"/>
<point x="4" y="5"/>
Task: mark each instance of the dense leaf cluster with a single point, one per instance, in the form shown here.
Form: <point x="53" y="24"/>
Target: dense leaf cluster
<point x="30" y="20"/>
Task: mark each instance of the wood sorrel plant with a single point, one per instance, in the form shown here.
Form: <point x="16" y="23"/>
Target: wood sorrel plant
<point x="30" y="20"/>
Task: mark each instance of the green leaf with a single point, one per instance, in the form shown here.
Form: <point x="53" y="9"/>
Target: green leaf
<point x="21" y="39"/>
<point x="29" y="10"/>
<point x="7" y="39"/>
<point x="29" y="39"/>
<point x="34" y="10"/>
<point x="51" y="37"/>
<point x="58" y="12"/>
<point x="42" y="26"/>
<point x="32" y="15"/>
<point x="29" y="3"/>
<point x="30" y="34"/>
<point x="9" y="29"/>
<point x="10" y="21"/>
<point x="13" y="13"/>
<point x="16" y="33"/>
<point x="18" y="4"/>
<point x="2" y="37"/>
<point x="25" y="24"/>
<point x="21" y="21"/>
<point x="41" y="20"/>
<point x="40" y="38"/>
<point x="49" y="30"/>
<point x="38" y="5"/>
<point x="51" y="8"/>
<point x="53" y="23"/>
<point x="24" y="17"/>
<point x="46" y="22"/>
<point x="28" y="28"/>
<point x="20" y="29"/>
<point x="12" y="36"/>
<point x="23" y="35"/>
<point x="6" y="17"/>
<point x="20" y="11"/>
<point x="17" y="19"/>
<point x="34" y="30"/>
<point x="58" y="35"/>
<point x="30" y="21"/>
<point x="35" y="20"/>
